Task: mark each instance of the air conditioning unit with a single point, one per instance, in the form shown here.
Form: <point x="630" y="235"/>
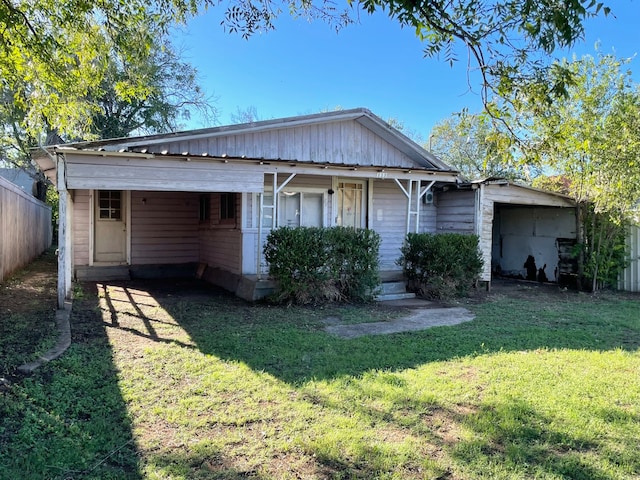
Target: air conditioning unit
<point x="427" y="198"/>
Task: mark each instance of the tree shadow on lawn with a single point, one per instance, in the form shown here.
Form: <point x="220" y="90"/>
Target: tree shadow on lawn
<point x="290" y="344"/>
<point x="68" y="419"/>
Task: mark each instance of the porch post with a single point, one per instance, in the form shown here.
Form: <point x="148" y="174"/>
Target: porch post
<point x="64" y="234"/>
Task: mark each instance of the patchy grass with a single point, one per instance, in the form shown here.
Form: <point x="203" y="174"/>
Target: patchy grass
<point x="177" y="381"/>
<point x="27" y="313"/>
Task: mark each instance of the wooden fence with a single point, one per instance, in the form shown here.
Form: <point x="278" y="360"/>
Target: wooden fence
<point x="25" y="228"/>
<point x="630" y="278"/>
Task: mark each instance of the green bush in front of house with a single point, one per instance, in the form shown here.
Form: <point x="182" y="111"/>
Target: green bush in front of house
<point x="317" y="265"/>
<point x="441" y="265"/>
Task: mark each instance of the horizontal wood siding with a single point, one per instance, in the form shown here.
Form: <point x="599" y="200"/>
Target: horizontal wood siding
<point x="221" y="248"/>
<point x="25" y="228"/>
<point x="339" y="142"/>
<point x="388" y="218"/>
<point x="220" y="240"/>
<point x="81" y="219"/>
<point x="164" y="227"/>
<point x="165" y="174"/>
<point x="456" y="211"/>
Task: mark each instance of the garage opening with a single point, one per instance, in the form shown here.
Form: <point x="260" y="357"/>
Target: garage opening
<point x="534" y="243"/>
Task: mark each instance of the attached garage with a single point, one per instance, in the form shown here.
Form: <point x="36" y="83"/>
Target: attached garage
<point x="514" y="222"/>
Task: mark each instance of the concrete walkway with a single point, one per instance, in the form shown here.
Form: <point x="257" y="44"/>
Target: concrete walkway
<point x="417" y="319"/>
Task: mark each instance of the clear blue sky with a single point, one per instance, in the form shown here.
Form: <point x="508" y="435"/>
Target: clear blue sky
<point x="304" y="67"/>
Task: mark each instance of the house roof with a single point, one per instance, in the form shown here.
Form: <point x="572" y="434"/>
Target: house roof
<point x="199" y="142"/>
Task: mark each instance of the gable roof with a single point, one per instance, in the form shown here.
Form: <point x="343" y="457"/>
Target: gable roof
<point x="350" y="137"/>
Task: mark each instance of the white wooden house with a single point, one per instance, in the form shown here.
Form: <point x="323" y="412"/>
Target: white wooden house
<point x="209" y="197"/>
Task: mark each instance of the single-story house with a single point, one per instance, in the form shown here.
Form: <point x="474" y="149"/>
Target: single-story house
<point x="136" y="206"/>
<point x="513" y="222"/>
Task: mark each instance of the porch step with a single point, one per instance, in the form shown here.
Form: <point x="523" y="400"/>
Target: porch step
<point x="398" y="286"/>
<point x="395" y="296"/>
<point x="394" y="290"/>
<point x="96" y="274"/>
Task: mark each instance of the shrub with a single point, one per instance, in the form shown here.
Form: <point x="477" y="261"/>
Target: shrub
<point x="442" y="265"/>
<point x="315" y="265"/>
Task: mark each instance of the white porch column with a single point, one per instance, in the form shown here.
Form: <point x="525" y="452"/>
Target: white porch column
<point x="64" y="234"/>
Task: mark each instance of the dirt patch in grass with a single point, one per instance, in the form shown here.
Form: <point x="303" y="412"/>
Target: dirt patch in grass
<point x="27" y="313"/>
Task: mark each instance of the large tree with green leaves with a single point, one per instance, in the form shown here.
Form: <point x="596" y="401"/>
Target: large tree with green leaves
<point x="108" y="71"/>
<point x="471" y="144"/>
<point x="590" y="140"/>
<point x="59" y="46"/>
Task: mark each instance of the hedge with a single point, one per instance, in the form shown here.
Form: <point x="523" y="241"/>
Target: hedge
<point x="441" y="265"/>
<point x="316" y="265"/>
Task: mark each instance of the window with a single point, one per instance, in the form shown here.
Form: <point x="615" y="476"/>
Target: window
<point x="227" y="206"/>
<point x="350" y="204"/>
<point x="110" y="205"/>
<point x="295" y="209"/>
<point x="205" y="207"/>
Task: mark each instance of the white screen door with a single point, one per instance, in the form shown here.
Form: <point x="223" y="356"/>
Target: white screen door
<point x="351" y="212"/>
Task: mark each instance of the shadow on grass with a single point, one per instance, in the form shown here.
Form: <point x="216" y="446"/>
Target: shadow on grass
<point x="68" y="419"/>
<point x="290" y="343"/>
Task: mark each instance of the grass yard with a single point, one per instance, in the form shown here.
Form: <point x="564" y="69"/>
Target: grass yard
<point x="178" y="381"/>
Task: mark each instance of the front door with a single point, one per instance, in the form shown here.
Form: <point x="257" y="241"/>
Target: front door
<point x="110" y="238"/>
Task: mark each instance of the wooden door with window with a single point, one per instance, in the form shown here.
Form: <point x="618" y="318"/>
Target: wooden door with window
<point x="110" y="236"/>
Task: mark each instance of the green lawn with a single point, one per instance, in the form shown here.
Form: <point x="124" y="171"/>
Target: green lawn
<point x="174" y="381"/>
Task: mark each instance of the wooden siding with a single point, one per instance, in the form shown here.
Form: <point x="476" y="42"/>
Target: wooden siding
<point x="220" y="241"/>
<point x="25" y="228"/>
<point x="166" y="174"/>
<point x="81" y="223"/>
<point x="456" y="211"/>
<point x="221" y="247"/>
<point x="388" y="218"/>
<point x="164" y="228"/>
<point x="630" y="278"/>
<point x="338" y="142"/>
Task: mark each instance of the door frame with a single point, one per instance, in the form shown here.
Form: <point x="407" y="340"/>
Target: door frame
<point x="366" y="200"/>
<point x="92" y="228"/>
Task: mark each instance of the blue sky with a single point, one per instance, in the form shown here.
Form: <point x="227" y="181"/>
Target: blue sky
<point x="305" y="67"/>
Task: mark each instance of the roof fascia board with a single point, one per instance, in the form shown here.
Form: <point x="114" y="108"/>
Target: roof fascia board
<point x="285" y="166"/>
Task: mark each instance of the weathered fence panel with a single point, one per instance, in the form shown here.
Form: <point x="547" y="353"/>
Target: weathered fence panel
<point x="630" y="278"/>
<point x="25" y="228"/>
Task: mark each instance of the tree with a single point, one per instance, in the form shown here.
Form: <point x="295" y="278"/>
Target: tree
<point x="590" y="140"/>
<point x="59" y="46"/>
<point x="172" y="93"/>
<point x="108" y="91"/>
<point x="471" y="144"/>
<point x="508" y="42"/>
<point x="248" y="115"/>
